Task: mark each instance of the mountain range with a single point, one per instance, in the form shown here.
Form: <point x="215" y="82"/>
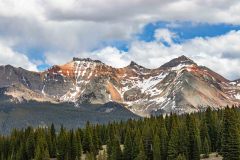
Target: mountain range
<point x="179" y="85"/>
<point x="88" y="86"/>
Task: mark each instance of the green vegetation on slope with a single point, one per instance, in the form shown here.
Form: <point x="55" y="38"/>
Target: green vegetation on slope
<point x="183" y="137"/>
<point x="36" y="114"/>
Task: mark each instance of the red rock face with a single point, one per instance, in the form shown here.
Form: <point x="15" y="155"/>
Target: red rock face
<point x="66" y="70"/>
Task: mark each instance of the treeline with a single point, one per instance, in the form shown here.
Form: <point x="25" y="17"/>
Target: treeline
<point x="173" y="137"/>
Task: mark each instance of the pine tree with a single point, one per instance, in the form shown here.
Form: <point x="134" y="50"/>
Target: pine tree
<point x="173" y="144"/>
<point x="204" y="135"/>
<point x="41" y="153"/>
<point x="21" y="155"/>
<point x="219" y="134"/>
<point x="62" y="145"/>
<point x="127" y="151"/>
<point x="181" y="157"/>
<point x="163" y="140"/>
<point x="96" y="141"/>
<point x="156" y="148"/>
<point x="147" y="141"/>
<point x="141" y="155"/>
<point x="79" y="145"/>
<point x="53" y="152"/>
<point x="206" y="148"/>
<point x="38" y="153"/>
<point x="72" y="146"/>
<point x="136" y="144"/>
<point x="231" y="137"/>
<point x="30" y="146"/>
<point x="211" y="121"/>
<point x="194" y="139"/>
<point x="183" y="139"/>
<point x="87" y="143"/>
<point x="46" y="155"/>
<point x="53" y="146"/>
<point x="109" y="147"/>
<point x="116" y="153"/>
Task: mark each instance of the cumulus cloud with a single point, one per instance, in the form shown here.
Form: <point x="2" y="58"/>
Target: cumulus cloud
<point x="220" y="53"/>
<point x="142" y="10"/>
<point x="70" y="26"/>
<point x="21" y="8"/>
<point x="27" y="25"/>
<point x="164" y="35"/>
<point x="111" y="56"/>
<point x="8" y="56"/>
<point x="66" y="28"/>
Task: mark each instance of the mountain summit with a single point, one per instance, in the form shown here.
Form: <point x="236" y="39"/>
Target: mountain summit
<point x="179" y="85"/>
<point x="183" y="60"/>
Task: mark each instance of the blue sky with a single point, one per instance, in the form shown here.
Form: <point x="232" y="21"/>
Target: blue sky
<point x="184" y="30"/>
<point x="48" y="32"/>
<point x="187" y="30"/>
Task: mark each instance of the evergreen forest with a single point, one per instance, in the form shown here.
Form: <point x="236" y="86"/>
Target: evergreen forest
<point x="170" y="137"/>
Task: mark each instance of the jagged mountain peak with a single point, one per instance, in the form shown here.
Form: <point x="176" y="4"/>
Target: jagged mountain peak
<point x="132" y="63"/>
<point x="179" y="60"/>
<point x="75" y="59"/>
<point x="8" y="66"/>
<point x="183" y="58"/>
<point x="135" y="65"/>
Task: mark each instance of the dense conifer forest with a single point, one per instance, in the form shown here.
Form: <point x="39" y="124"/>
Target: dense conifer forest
<point x="170" y="137"/>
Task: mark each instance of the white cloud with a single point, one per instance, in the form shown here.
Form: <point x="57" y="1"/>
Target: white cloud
<point x="21" y="8"/>
<point x="221" y="53"/>
<point x="164" y="35"/>
<point x="71" y="26"/>
<point x="8" y="56"/>
<point x="111" y="56"/>
<point x="141" y="10"/>
<point x="67" y="28"/>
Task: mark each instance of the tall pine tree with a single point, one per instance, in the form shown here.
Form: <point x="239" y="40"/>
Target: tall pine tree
<point x="231" y="137"/>
<point x="156" y="148"/>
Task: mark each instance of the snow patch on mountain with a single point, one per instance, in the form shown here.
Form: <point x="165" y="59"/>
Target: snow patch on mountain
<point x="237" y="96"/>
